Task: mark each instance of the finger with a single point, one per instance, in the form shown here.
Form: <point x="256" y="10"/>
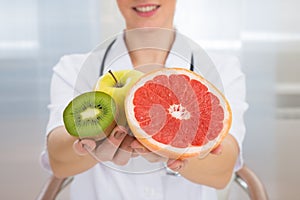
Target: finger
<point x="218" y="150"/>
<point x="126" y="143"/>
<point x="134" y="154"/>
<point x="124" y="152"/>
<point x="147" y="154"/>
<point x="176" y="165"/>
<point x="137" y="145"/>
<point x="108" y="148"/>
<point x="82" y="147"/>
<point x="150" y="156"/>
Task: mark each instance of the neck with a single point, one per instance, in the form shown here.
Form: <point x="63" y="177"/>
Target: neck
<point x="149" y="47"/>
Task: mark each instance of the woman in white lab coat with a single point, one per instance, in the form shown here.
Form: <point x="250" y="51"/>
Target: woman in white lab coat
<point x="107" y="179"/>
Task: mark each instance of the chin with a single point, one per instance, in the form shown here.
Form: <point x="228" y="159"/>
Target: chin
<point x="150" y="25"/>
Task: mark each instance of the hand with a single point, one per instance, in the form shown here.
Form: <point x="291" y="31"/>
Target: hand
<point x="141" y="150"/>
<point x="115" y="148"/>
<point x="173" y="164"/>
<point x="217" y="150"/>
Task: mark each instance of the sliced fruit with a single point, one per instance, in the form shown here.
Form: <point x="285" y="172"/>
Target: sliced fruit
<point x="177" y="113"/>
<point x="91" y="114"/>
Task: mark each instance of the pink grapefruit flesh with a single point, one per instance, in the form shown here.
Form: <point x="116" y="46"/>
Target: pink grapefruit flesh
<point x="177" y="113"/>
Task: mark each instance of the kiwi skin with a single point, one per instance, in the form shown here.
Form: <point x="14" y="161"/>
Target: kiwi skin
<point x="90" y="115"/>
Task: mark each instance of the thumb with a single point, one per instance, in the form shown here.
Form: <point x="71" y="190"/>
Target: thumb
<point x="82" y="147"/>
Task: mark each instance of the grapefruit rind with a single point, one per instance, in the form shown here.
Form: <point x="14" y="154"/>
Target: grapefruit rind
<point x="168" y="150"/>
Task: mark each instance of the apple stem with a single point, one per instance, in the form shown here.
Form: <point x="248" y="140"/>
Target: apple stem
<point x="117" y="83"/>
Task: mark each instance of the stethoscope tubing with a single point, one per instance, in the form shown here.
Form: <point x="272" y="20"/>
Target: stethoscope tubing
<point x="102" y="66"/>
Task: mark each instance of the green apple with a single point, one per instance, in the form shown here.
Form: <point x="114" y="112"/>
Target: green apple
<point x="117" y="84"/>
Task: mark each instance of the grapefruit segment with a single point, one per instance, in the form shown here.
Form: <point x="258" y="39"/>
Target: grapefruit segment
<point x="168" y="132"/>
<point x="181" y="86"/>
<point x="177" y="113"/>
<point x="158" y="117"/>
<point x="164" y="95"/>
<point x="185" y="135"/>
<point x="161" y="80"/>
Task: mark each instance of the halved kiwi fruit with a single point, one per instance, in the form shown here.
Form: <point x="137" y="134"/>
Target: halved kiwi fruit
<point x="90" y="114"/>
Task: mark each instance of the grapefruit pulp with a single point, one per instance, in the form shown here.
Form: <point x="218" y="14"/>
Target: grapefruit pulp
<point x="176" y="113"/>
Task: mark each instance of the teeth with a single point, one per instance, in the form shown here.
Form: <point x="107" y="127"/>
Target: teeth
<point x="146" y="8"/>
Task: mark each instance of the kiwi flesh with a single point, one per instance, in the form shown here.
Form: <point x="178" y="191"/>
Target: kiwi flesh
<point x="90" y="115"/>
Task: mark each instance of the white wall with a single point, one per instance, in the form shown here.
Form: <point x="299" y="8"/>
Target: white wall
<point x="34" y="34"/>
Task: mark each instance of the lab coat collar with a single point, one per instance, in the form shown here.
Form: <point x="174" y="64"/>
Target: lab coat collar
<point x="179" y="55"/>
<point x="118" y="57"/>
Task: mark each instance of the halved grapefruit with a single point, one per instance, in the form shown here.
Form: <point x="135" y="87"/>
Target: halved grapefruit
<point x="176" y="113"/>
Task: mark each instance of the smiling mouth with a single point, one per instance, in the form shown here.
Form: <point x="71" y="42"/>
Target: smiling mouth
<point x="146" y="9"/>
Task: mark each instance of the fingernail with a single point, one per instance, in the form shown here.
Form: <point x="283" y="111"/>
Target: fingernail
<point x="119" y="135"/>
<point x="179" y="167"/>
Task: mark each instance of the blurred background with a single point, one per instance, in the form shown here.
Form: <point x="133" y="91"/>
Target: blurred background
<point x="263" y="34"/>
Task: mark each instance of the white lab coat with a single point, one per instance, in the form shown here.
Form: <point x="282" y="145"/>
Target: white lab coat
<point x="139" y="180"/>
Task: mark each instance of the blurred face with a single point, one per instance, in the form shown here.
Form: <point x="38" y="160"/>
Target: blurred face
<point x="147" y="13"/>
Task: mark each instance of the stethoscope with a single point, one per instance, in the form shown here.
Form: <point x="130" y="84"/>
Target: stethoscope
<point x="109" y="48"/>
<point x="102" y="66"/>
